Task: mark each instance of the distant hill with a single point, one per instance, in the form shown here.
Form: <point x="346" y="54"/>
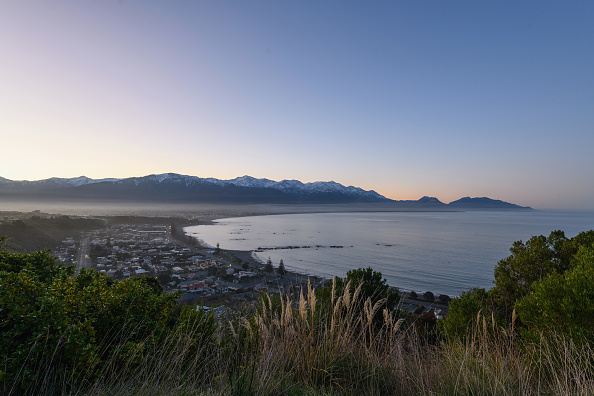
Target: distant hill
<point x="175" y="188"/>
<point x="483" y="203"/>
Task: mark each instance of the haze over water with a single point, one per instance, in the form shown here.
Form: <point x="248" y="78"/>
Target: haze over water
<point x="444" y="252"/>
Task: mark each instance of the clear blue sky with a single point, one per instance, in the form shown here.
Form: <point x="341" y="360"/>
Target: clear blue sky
<point x="408" y="98"/>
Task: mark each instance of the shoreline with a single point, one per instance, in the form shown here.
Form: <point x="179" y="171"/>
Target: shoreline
<point x="303" y="273"/>
<point x="246" y="255"/>
<point x="274" y="210"/>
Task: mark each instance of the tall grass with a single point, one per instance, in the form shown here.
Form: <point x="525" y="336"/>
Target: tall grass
<point x="345" y="346"/>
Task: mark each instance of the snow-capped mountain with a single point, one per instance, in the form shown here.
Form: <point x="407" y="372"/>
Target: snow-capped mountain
<point x="172" y="186"/>
<point x="296" y="185"/>
<point x="54" y="181"/>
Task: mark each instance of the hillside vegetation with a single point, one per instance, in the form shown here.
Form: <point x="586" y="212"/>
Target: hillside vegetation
<point x="532" y="334"/>
<point x="36" y="233"/>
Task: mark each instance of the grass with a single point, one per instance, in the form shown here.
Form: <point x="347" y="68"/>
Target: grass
<point x="342" y="347"/>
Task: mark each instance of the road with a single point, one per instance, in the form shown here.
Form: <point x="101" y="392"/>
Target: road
<point x="426" y="304"/>
<point x="84" y="258"/>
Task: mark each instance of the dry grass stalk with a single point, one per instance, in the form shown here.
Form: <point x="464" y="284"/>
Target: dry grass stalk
<point x="342" y="349"/>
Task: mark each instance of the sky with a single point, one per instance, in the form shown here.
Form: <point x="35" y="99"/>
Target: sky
<point x="407" y="98"/>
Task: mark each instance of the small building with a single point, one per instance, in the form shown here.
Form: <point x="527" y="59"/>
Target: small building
<point x="220" y="289"/>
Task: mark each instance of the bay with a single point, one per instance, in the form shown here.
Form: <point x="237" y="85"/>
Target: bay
<point x="443" y="252"/>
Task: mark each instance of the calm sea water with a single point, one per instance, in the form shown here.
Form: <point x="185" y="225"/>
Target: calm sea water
<point x="444" y="252"/>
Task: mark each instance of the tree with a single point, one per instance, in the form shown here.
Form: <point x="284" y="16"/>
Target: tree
<point x="528" y="263"/>
<point x="562" y="303"/>
<point x="281" y="268"/>
<point x="444" y="298"/>
<point x="532" y="261"/>
<point x="541" y="265"/>
<point x="164" y="277"/>
<point x="373" y="286"/>
<point x="374" y="295"/>
<point x="463" y="311"/>
<point x="429" y="296"/>
<point x="426" y="326"/>
<point x="268" y="267"/>
<point x="212" y="270"/>
<point x="245" y="265"/>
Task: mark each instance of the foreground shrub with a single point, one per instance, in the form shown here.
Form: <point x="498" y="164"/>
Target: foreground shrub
<point x="562" y="303"/>
<point x="89" y="335"/>
<point x="67" y="326"/>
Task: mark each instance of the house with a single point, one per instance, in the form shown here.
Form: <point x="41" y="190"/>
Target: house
<point x="195" y="286"/>
<point x="168" y="261"/>
<point x="242" y="274"/>
<point x="220" y="289"/>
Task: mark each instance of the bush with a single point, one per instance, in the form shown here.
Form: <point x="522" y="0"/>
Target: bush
<point x="68" y="325"/>
<point x="562" y="303"/>
<point x="463" y="312"/>
<point x="532" y="281"/>
<point x="89" y="334"/>
<point x="532" y="261"/>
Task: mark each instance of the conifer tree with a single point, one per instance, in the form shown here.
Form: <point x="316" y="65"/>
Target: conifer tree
<point x="281" y="268"/>
<point x="268" y="268"/>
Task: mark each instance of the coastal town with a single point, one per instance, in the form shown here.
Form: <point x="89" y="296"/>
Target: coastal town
<point x="204" y="276"/>
<point x="216" y="278"/>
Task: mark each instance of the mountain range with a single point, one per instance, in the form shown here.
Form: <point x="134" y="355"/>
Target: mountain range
<point x="172" y="187"/>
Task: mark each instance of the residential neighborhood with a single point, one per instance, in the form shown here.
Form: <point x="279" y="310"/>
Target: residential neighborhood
<point x="202" y="275"/>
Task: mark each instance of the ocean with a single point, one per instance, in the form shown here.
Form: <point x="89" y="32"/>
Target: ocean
<point x="441" y="252"/>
